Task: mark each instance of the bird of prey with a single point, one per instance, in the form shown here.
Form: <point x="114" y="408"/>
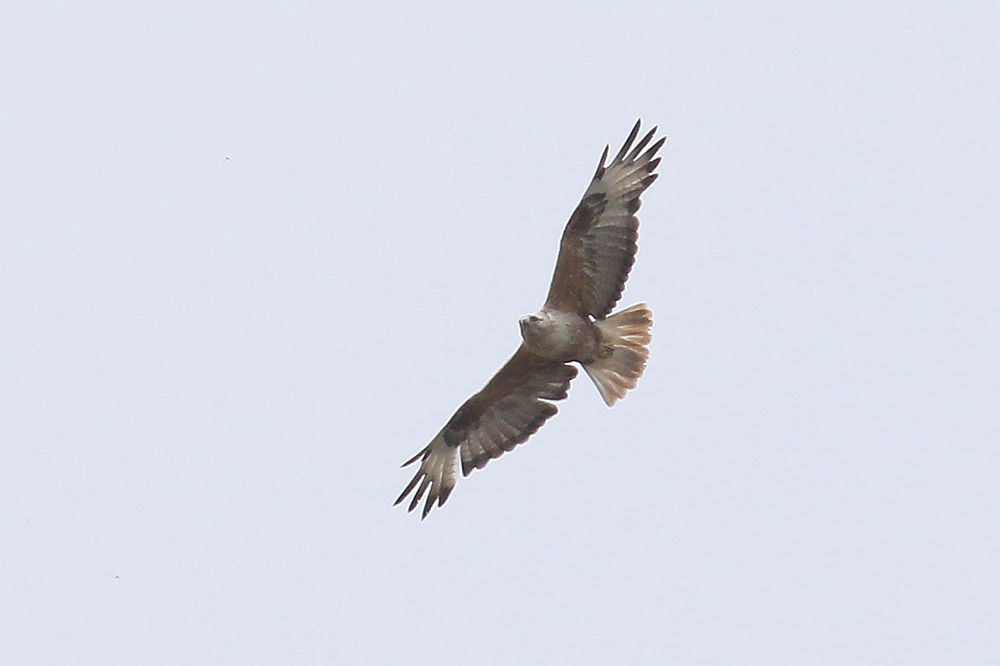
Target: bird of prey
<point x="596" y="253"/>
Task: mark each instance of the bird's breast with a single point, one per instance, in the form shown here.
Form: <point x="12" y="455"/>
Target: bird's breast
<point x="561" y="337"/>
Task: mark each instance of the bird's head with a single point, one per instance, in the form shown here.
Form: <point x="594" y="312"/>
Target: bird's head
<point x="531" y="320"/>
<point x="531" y="324"/>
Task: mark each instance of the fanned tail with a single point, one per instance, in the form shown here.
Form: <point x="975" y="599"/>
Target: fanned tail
<point x="624" y="337"/>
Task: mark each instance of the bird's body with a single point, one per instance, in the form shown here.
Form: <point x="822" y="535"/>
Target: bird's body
<point x="596" y="253"/>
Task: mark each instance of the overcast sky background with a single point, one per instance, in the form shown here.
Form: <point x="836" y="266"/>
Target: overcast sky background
<point x="253" y="256"/>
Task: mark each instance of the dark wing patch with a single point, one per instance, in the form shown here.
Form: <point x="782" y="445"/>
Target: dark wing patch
<point x="599" y="243"/>
<point x="505" y="413"/>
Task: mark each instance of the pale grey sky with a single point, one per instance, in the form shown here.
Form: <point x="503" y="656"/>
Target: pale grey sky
<point x="253" y="256"/>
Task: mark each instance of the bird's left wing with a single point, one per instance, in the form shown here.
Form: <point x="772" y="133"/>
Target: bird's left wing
<point x="505" y="413"/>
<point x="598" y="246"/>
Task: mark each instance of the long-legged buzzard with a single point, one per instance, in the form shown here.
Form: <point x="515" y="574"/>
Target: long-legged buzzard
<point x="575" y="325"/>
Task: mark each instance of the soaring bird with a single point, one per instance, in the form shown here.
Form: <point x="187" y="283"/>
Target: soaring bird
<point x="596" y="253"/>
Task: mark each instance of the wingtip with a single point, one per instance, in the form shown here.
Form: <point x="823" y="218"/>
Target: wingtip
<point x="655" y="148"/>
<point x="601" y="165"/>
<point x="421" y="453"/>
<point x="628" y="143"/>
<point x="428" y="505"/>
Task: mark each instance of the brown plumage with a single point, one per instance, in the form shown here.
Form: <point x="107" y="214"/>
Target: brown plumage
<point x="596" y="254"/>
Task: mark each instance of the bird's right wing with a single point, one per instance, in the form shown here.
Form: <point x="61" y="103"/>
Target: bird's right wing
<point x="505" y="413"/>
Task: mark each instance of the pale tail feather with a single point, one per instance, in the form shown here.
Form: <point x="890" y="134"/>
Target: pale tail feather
<point x="624" y="335"/>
